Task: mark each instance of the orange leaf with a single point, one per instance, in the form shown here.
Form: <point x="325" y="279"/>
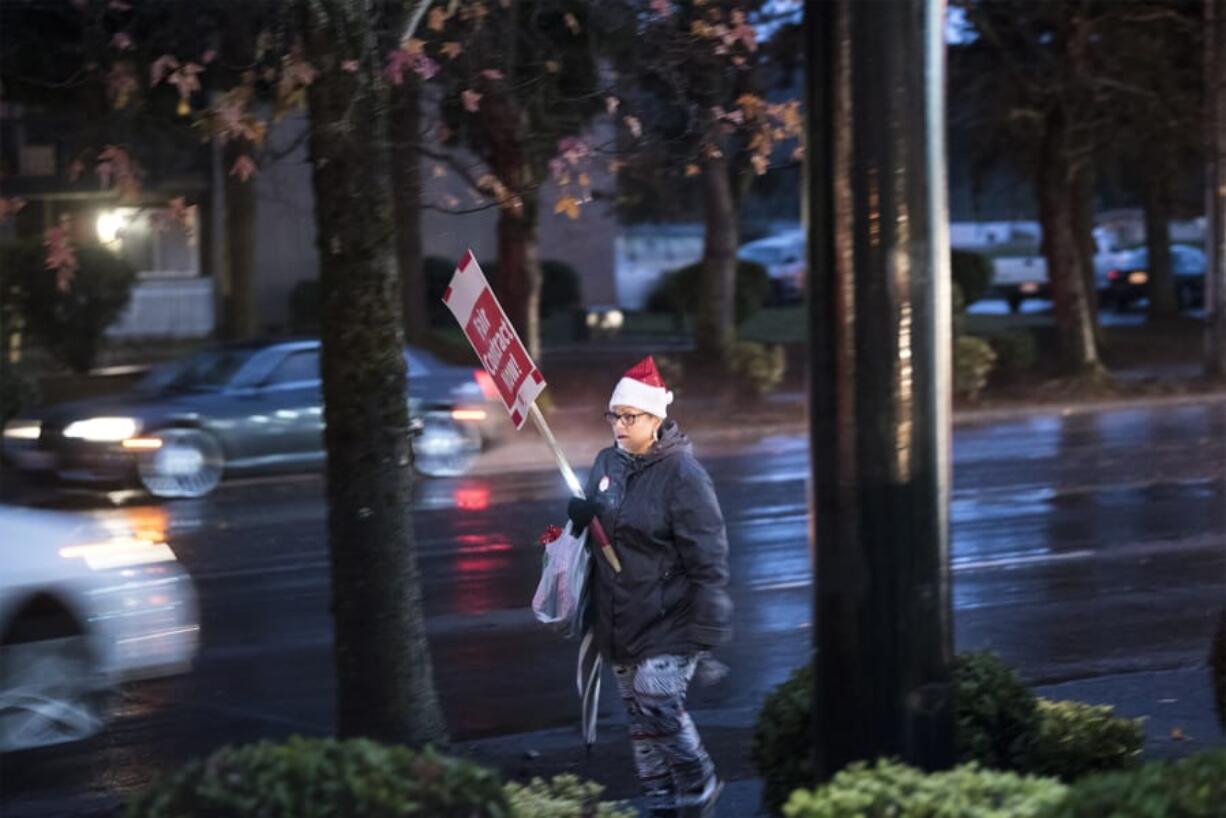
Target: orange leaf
<point x="451" y="49"/>
<point x="568" y="205"/>
<point x="692" y="170"/>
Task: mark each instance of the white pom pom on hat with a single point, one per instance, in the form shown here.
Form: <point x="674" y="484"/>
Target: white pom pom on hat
<point x="643" y="388"/>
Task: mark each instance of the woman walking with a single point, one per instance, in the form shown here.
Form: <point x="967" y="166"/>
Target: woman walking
<point x="657" y="619"/>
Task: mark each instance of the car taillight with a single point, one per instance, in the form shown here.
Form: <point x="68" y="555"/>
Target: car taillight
<point x="1113" y="275"/>
<point x="488" y="387"/>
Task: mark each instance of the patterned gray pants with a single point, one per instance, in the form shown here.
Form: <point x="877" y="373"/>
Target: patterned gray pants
<point x="671" y="762"/>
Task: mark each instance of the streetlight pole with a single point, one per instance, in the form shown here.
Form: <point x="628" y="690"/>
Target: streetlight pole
<point x="880" y="346"/>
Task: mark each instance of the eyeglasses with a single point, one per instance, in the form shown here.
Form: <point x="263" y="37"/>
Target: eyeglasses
<point x="629" y="418"/>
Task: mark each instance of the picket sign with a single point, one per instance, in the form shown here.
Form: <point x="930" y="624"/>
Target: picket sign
<point x="504" y="356"/>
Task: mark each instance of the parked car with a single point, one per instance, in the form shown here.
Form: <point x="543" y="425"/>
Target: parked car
<point x="1128" y="280"/>
<point x="1017" y="279"/>
<point x="84" y="606"/>
<point x="238" y="409"/>
<point x="784" y="257"/>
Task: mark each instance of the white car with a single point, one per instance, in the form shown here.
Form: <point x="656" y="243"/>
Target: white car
<point x="783" y="256"/>
<point x="84" y="605"/>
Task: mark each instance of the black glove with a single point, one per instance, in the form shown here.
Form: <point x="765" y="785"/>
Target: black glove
<point x="581" y="513"/>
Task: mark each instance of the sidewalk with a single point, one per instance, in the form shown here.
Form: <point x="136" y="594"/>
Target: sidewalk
<point x="1176" y="704"/>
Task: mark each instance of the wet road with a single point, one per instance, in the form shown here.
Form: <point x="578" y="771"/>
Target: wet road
<point x="1082" y="545"/>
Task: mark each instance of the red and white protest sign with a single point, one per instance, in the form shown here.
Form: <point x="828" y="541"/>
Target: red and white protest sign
<point x="492" y="335"/>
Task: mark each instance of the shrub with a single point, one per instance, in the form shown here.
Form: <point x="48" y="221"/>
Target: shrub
<point x="890" y="790"/>
<point x="321" y="778"/>
<point x="560" y="288"/>
<point x="680" y="291"/>
<point x="973" y="362"/>
<point x="1193" y="787"/>
<point x="69" y="324"/>
<point x="18" y="391"/>
<point x="996" y="714"/>
<point x="972" y="272"/>
<point x="1075" y="738"/>
<point x="761" y="367"/>
<point x="1016" y="351"/>
<point x="782" y="751"/>
<point x="672" y="370"/>
<point x="564" y="796"/>
<point x="999" y="724"/>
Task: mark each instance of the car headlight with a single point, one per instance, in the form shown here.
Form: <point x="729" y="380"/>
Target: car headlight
<point x="23" y="430"/>
<point x="103" y="430"/>
<point x="119" y="552"/>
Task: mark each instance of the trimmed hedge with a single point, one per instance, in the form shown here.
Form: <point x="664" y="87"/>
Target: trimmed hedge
<point x="1075" y="739"/>
<point x="890" y="790"/>
<point x="680" y="291"/>
<point x="758" y="366"/>
<point x="782" y="752"/>
<point x="999" y="723"/>
<point x="324" y="778"/>
<point x="564" y="796"/>
<point x="1017" y="351"/>
<point x="996" y="715"/>
<point x="329" y="778"/>
<point x="972" y="272"/>
<point x="1193" y="787"/>
<point x="973" y="363"/>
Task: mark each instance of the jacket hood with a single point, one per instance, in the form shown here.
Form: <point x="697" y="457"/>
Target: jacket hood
<point x="672" y="442"/>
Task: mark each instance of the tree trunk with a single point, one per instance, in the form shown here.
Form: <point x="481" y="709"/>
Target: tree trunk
<point x="1157" y="205"/>
<point x="517" y="280"/>
<point x="239" y="321"/>
<point x="1083" y="213"/>
<point x="716" y="325"/>
<point x="1215" y="190"/>
<point x="406" y="196"/>
<point x="385" y="686"/>
<point x="1074" y="321"/>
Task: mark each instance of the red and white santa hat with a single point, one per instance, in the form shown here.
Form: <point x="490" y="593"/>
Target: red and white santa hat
<point x="643" y="388"/>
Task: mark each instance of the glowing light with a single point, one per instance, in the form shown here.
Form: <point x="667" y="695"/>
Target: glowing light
<point x="475" y="415"/>
<point x="110" y="227"/>
<point x="472" y="498"/>
<point x="142" y="443"/>
<point x="119" y="553"/>
<point x="23" y="430"/>
<point x="103" y="430"/>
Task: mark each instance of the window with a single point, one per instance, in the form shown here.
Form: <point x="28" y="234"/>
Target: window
<point x="298" y="367"/>
<point x="152" y="241"/>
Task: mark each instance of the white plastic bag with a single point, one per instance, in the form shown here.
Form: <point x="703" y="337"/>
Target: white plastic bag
<point x="560" y="595"/>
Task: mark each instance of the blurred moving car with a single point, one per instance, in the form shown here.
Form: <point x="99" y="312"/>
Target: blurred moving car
<point x="783" y="256"/>
<point x="84" y="605"/>
<point x="238" y="409"/>
<point x="1128" y="280"/>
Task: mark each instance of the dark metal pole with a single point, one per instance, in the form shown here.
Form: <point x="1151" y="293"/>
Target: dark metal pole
<point x="880" y="380"/>
<point x="1215" y="189"/>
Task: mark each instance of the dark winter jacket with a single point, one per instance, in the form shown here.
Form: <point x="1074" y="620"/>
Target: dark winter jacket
<point x="660" y="512"/>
